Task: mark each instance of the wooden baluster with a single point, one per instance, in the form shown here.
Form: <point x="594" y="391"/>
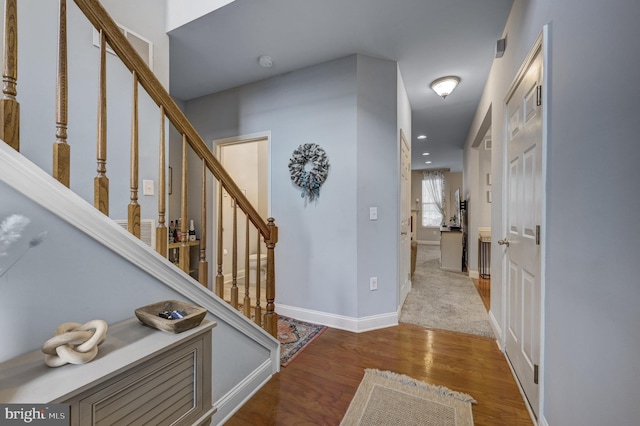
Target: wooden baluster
<point x="270" y="317"/>
<point x="219" y="276"/>
<point x="9" y="106"/>
<point x="247" y="276"/>
<point x="161" y="229"/>
<point x="61" y="150"/>
<point x="203" y="265"/>
<point x="234" y="258"/>
<point x="101" y="182"/>
<point x="258" y="310"/>
<point x="184" y="250"/>
<point x="133" y="223"/>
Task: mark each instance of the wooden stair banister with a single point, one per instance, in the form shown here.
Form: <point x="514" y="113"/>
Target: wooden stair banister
<point x="203" y="265"/>
<point x="162" y="230"/>
<point x="101" y="181"/>
<point x="101" y="20"/>
<point x="133" y="212"/>
<point x="61" y="150"/>
<point x="143" y="76"/>
<point x="9" y="106"/>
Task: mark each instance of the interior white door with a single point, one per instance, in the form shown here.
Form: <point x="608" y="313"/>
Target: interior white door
<point x="524" y="215"/>
<point x="405" y="218"/>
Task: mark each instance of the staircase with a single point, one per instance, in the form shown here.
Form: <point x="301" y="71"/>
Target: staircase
<point x="195" y="155"/>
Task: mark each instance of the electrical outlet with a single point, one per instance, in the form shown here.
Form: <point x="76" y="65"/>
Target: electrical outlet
<point x="373" y="213"/>
<point x="373" y="283"/>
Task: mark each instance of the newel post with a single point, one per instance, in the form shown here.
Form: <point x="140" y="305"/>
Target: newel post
<point x="270" y="316"/>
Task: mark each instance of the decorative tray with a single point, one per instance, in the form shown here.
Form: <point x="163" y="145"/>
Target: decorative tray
<point x="149" y="315"/>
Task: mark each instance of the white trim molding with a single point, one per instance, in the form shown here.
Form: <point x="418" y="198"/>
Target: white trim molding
<point x="233" y="400"/>
<point x="355" y="325"/>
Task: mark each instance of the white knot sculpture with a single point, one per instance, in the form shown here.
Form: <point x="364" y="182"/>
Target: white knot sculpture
<point x="74" y="343"/>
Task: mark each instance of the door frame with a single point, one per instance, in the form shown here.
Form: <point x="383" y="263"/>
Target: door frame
<point x="402" y="291"/>
<point x="542" y="44"/>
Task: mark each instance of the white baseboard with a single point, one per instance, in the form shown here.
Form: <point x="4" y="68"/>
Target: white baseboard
<point x="474" y="274"/>
<point x="355" y="325"/>
<point x="524" y="395"/>
<point x="543" y="421"/>
<point x="233" y="400"/>
<point x="495" y="326"/>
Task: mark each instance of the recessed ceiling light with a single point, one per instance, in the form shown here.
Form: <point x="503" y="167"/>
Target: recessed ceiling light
<point x="425" y="153"/>
<point x="422" y="137"/>
<point x="427" y="162"/>
<point x="265" y="61"/>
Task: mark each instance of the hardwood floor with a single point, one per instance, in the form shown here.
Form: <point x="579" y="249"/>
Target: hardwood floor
<point x="317" y="387"/>
<point x="483" y="285"/>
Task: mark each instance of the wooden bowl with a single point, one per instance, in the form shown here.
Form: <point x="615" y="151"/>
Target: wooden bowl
<point x="148" y="315"/>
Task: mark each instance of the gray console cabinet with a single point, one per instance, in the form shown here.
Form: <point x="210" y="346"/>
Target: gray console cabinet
<point x="142" y="376"/>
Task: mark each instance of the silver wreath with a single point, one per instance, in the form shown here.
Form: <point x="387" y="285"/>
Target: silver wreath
<point x="309" y="181"/>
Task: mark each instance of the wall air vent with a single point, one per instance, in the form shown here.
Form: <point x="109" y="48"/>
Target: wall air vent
<point x="147" y="231"/>
<point x="143" y="46"/>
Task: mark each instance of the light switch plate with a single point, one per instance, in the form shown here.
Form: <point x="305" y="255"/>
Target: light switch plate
<point x="373" y="213"/>
<point x="147" y="187"/>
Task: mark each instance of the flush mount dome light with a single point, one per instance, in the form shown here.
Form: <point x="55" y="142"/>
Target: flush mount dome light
<point x="445" y="85"/>
<point x="422" y="137"/>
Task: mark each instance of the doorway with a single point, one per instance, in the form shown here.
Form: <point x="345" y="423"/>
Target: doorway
<point x="246" y="159"/>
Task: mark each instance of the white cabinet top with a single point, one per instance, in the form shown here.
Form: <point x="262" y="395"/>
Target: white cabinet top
<point x="26" y="379"/>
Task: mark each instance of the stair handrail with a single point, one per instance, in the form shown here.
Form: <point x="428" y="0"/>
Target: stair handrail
<point x="100" y="19"/>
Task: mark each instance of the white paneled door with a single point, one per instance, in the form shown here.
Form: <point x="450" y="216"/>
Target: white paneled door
<point x="523" y="220"/>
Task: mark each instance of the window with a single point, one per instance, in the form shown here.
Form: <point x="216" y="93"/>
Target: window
<point x="432" y="190"/>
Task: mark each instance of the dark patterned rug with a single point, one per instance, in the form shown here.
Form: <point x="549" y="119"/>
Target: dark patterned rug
<point x="294" y="336"/>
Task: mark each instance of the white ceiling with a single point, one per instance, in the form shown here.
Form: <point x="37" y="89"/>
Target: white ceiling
<point x="428" y="38"/>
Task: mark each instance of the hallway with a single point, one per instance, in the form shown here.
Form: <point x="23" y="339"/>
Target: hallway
<point x="318" y="386"/>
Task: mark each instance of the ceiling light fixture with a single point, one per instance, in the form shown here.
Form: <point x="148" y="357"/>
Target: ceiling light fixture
<point x="427" y="162"/>
<point x="422" y="137"/>
<point x="265" y="61"/>
<point x="425" y="153"/>
<point x="445" y="85"/>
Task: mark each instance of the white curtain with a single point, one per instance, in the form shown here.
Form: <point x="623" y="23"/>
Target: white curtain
<point x="433" y="184"/>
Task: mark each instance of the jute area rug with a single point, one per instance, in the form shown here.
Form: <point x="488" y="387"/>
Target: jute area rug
<point x="443" y="299"/>
<point x="385" y="398"/>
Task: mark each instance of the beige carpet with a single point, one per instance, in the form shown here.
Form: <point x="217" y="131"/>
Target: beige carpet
<point x="389" y="399"/>
<point x="443" y="299"/>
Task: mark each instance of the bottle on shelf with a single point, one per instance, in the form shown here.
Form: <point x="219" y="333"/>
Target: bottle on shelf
<point x="171" y="230"/>
<point x="192" y="231"/>
<point x="179" y="230"/>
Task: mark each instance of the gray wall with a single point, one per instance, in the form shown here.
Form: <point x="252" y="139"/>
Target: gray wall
<point x="37" y="33"/>
<point x="327" y="248"/>
<point x="592" y="328"/>
<point x="377" y="164"/>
